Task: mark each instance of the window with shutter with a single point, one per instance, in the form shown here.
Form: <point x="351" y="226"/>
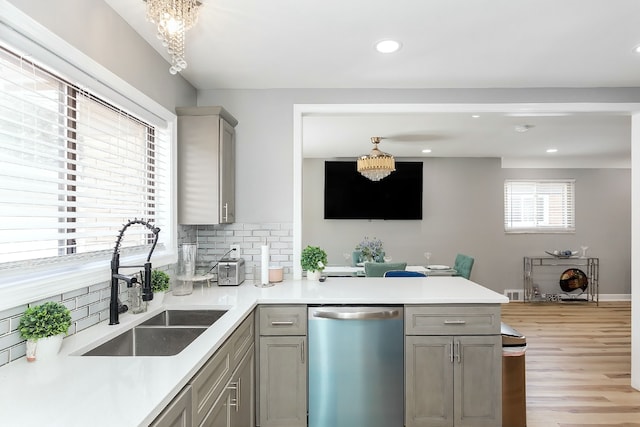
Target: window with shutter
<point x="539" y="206"/>
<point x="74" y="168"/>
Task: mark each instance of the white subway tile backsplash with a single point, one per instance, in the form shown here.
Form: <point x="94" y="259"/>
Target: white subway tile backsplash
<point x="4" y="357"/>
<point x="4" y="326"/>
<point x="10" y="339"/>
<point x="85" y="322"/>
<point x="13" y="311"/>
<point x="17" y="351"/>
<point x="76" y="293"/>
<point x="88" y="299"/>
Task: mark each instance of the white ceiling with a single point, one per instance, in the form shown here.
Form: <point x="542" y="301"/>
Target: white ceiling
<point x="258" y="44"/>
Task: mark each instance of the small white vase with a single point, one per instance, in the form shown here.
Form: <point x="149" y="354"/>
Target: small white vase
<point x="158" y="297"/>
<point x="48" y="348"/>
<point x="313" y="275"/>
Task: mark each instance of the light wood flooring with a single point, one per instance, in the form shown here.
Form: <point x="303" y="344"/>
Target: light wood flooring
<point x="578" y="363"/>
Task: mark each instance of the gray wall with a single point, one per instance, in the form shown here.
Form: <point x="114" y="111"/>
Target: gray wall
<point x="463" y="213"/>
<point x="265" y="184"/>
<point x="100" y="33"/>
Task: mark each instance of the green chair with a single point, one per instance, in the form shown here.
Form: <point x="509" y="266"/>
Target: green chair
<point x="463" y="265"/>
<point x="377" y="269"/>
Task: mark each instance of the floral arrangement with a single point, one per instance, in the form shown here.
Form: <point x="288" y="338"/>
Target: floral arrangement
<point x="372" y="249"/>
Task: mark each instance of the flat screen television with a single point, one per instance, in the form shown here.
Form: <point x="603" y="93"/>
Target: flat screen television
<point x="349" y="195"/>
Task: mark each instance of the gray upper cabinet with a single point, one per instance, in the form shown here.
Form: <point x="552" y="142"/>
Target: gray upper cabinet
<point x="206" y="165"/>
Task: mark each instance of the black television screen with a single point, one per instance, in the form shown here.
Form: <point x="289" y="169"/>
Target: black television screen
<point x="349" y="195"/>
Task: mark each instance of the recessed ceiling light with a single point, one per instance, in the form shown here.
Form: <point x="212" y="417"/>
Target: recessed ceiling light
<point x="475" y="116"/>
<point x="552" y="150"/>
<point x="387" y="46"/>
<point x="426" y="150"/>
<point x="636" y="49"/>
<point x="522" y="128"/>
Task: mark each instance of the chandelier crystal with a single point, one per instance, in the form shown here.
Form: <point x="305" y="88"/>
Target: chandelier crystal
<point x="377" y="165"/>
<point x="173" y="18"/>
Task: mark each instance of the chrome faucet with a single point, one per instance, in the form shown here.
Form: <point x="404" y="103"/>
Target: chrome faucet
<point x="115" y="306"/>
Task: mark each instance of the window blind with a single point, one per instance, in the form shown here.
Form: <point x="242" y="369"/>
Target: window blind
<point x="539" y="206"/>
<point x="73" y="169"/>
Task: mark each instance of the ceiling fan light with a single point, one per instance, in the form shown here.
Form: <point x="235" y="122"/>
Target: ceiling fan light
<point x="376" y="165"/>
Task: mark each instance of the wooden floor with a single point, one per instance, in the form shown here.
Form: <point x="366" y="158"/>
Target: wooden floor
<point x="578" y="363"/>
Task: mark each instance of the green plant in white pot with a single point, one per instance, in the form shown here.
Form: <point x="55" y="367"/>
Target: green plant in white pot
<point x="159" y="285"/>
<point x="313" y="259"/>
<point x="44" y="326"/>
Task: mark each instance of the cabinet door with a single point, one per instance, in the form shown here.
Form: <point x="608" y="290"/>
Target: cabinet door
<point x="243" y="393"/>
<point x="220" y="413"/>
<point x="283" y="381"/>
<point x="198" y="174"/>
<point x="178" y="413"/>
<point x="478" y="381"/>
<point x="428" y="381"/>
<point x="227" y="173"/>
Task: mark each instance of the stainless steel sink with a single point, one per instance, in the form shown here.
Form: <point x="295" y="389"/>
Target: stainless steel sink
<point x="185" y="318"/>
<point x="148" y="341"/>
<point x="165" y="334"/>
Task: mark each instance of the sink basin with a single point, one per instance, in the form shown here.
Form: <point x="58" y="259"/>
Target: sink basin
<point x="144" y="341"/>
<point x="165" y="334"/>
<point x="185" y="318"/>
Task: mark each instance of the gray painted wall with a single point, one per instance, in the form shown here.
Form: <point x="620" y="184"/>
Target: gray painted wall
<point x="265" y="185"/>
<point x="463" y="213"/>
<point x="100" y="33"/>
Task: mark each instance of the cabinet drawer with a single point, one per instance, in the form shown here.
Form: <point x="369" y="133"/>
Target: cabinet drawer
<point x="283" y="320"/>
<point x="452" y="320"/>
<point x="242" y="339"/>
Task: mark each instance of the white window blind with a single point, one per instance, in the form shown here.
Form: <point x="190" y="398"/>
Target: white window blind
<point x="73" y="169"/>
<point x="539" y="206"/>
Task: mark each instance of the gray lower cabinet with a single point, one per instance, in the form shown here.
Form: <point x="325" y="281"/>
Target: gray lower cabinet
<point x="235" y="406"/>
<point x="223" y="390"/>
<point x="453" y="380"/>
<point x="282" y="379"/>
<point x="177" y="413"/>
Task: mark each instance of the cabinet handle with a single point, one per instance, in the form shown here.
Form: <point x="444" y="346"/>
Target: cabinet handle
<point x="457" y="351"/>
<point x="226" y="211"/>
<point x="282" y="323"/>
<point x="302" y="352"/>
<point x="235" y="402"/>
<point x="455" y="322"/>
<point x="451" y="352"/>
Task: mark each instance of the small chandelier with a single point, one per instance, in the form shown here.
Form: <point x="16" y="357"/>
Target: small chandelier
<point x="377" y="165"/>
<point x="173" y="18"/>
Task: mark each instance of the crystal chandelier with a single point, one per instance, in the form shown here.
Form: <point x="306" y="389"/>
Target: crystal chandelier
<point x="377" y="165"/>
<point x="173" y="18"/>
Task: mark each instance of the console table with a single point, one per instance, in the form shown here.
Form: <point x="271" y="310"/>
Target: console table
<point x="539" y="292"/>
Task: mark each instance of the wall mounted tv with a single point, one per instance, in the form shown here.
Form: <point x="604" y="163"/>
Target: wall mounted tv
<point x="349" y="195"/>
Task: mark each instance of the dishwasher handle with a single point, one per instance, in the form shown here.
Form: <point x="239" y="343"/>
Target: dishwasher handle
<point x="357" y="315"/>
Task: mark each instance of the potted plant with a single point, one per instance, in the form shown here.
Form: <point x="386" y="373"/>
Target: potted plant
<point x="44" y="326"/>
<point x="370" y="250"/>
<point x="159" y="285"/>
<point x="313" y="259"/>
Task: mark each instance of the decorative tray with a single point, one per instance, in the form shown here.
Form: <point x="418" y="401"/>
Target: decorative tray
<point x="562" y="254"/>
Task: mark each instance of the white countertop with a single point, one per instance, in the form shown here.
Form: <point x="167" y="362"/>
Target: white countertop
<point x="95" y="391"/>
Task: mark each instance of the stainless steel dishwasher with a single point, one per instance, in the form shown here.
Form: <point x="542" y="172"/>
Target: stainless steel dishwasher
<point x="356" y="366"/>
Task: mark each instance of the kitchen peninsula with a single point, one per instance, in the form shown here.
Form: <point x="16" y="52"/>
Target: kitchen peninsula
<point x="133" y="391"/>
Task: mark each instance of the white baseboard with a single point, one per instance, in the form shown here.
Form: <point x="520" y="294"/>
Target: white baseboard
<point x="615" y="297"/>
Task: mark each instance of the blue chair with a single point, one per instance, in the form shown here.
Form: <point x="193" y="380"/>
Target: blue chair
<point x="463" y="265"/>
<point x="377" y="269"/>
<point x="403" y="273"/>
